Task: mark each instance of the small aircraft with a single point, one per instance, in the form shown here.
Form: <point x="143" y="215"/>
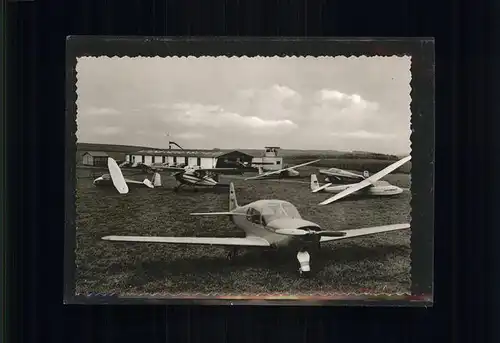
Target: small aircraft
<point x="282" y="173"/>
<point x="114" y="168"/>
<point x="268" y="224"/>
<point x="376" y="187"/>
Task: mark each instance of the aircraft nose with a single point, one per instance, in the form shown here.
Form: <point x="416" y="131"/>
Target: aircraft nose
<point x="290" y="225"/>
<point x="99" y="179"/>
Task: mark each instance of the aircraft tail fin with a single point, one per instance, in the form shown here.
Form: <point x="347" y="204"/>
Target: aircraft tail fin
<point x="157" y="179"/>
<point x="233" y="202"/>
<point x="261" y="171"/>
<point x="314" y="182"/>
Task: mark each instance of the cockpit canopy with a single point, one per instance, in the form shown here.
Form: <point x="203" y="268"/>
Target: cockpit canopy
<point x="270" y="211"/>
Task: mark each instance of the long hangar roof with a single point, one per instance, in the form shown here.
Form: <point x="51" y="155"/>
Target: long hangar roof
<point x="194" y="153"/>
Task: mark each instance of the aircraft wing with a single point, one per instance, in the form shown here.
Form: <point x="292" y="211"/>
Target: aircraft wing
<point x="366" y="231"/>
<point x="280" y="170"/>
<point x="224" y="241"/>
<point x="169" y="168"/>
<point x="367" y="182"/>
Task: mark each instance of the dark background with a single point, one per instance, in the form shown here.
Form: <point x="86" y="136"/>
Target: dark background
<point x="466" y="156"/>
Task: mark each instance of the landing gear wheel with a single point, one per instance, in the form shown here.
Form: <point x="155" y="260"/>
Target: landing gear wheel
<point x="304" y="275"/>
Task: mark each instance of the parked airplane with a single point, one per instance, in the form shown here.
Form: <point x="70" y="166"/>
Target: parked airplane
<point x="268" y="224"/>
<point x="376" y="187"/>
<point x="107" y="180"/>
<point x="281" y="173"/>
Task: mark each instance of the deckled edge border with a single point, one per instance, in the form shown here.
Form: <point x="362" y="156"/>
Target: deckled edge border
<point x="421" y="52"/>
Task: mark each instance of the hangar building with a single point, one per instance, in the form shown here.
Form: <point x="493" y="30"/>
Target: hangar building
<point x="202" y="158"/>
<point x="95" y="158"/>
<point x="99" y="158"/>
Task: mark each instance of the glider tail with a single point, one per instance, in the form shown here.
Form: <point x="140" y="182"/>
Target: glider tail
<point x="233" y="202"/>
<point x="157" y="179"/>
<point x="314" y="182"/>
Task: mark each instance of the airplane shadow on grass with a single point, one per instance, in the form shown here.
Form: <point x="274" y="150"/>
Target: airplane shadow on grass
<point x="281" y="261"/>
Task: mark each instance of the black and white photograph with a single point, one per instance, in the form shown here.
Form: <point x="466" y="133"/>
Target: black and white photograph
<point x="243" y="176"/>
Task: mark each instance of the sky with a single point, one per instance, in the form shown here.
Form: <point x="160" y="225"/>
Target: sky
<point x="327" y="103"/>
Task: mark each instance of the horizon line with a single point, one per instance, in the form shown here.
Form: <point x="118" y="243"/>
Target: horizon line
<point x="261" y="148"/>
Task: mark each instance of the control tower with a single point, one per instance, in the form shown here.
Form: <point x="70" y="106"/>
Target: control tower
<point x="270" y="160"/>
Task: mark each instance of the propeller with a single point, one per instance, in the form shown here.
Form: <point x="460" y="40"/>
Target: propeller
<point x="302" y="232"/>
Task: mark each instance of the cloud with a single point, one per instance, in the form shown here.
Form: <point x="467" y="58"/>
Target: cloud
<point x="214" y="116"/>
<point x="273" y="102"/>
<point x="347" y="100"/>
<point x="107" y="130"/>
<point x="361" y="134"/>
<point x="96" y="111"/>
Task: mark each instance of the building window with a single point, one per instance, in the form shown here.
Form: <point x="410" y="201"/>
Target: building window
<point x="278" y="162"/>
<point x="198" y="161"/>
<point x="163" y="159"/>
<point x="186" y="161"/>
<point x="175" y="159"/>
<point x="143" y="159"/>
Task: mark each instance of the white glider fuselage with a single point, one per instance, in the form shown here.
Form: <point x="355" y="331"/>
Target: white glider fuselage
<point x="376" y="190"/>
<point x="105" y="180"/>
<point x="191" y="177"/>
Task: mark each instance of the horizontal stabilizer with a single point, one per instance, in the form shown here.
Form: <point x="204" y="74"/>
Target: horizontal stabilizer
<point x="148" y="183"/>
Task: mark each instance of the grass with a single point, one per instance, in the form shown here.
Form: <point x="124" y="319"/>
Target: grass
<point x="373" y="264"/>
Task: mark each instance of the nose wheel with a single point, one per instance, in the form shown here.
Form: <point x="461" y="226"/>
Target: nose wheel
<point x="304" y="263"/>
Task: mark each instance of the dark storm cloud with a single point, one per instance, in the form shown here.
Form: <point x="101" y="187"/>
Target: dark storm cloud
<point x="305" y="103"/>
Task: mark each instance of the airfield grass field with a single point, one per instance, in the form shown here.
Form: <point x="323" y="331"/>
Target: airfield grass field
<point x="374" y="264"/>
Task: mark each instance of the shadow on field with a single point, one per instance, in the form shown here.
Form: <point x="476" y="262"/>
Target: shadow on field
<point x="282" y="261"/>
